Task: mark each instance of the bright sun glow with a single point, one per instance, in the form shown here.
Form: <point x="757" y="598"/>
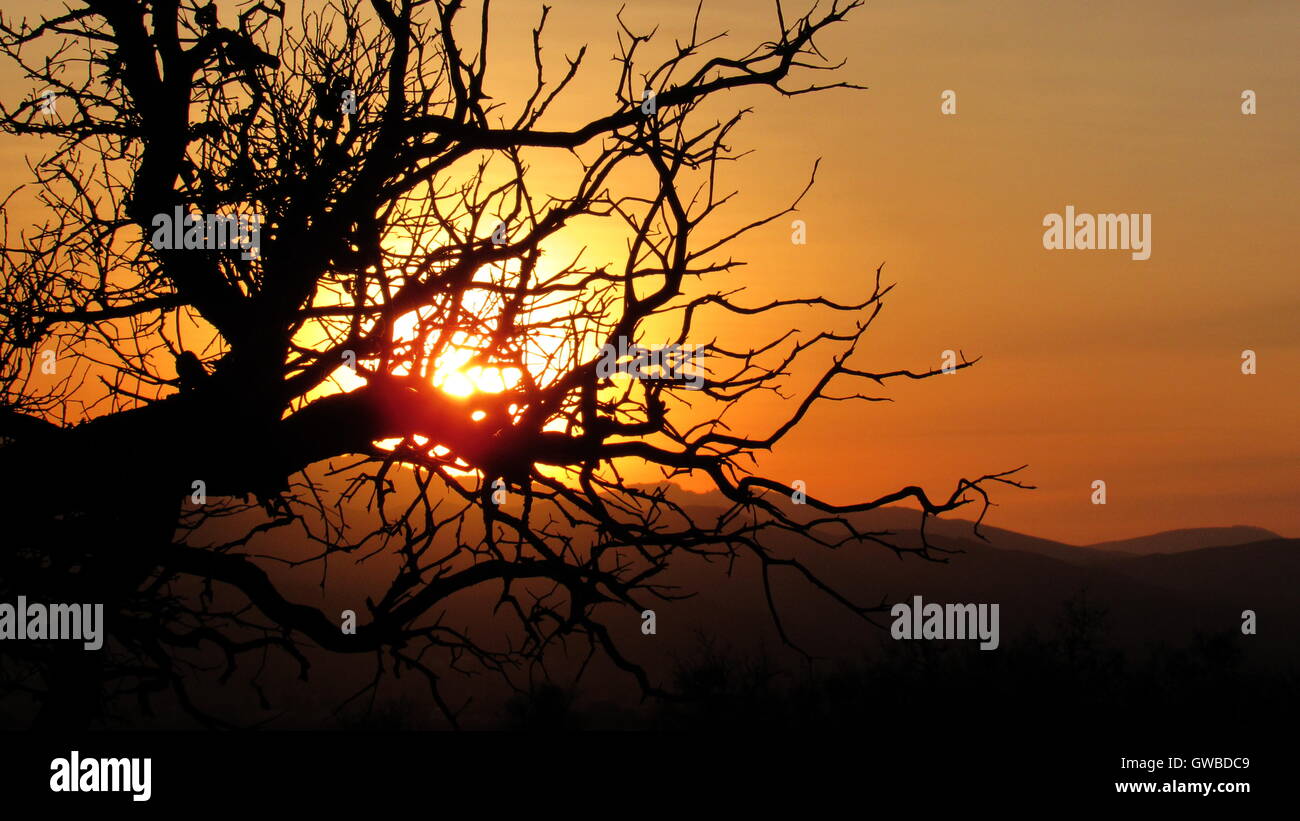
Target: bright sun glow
<point x="546" y="350"/>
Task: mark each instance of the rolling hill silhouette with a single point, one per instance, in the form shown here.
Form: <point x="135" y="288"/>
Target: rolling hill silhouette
<point x="906" y="519"/>
<point x="1178" y="541"/>
<point x="1178" y="590"/>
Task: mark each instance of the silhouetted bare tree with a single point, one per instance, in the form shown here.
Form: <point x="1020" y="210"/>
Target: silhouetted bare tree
<point x="403" y="233"/>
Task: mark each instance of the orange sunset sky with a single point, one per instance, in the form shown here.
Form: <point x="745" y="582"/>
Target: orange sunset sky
<point x="1095" y="365"/>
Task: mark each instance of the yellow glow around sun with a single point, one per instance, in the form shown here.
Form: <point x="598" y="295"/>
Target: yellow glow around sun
<point x="452" y="379"/>
<point x="548" y="350"/>
<point x="451" y="371"/>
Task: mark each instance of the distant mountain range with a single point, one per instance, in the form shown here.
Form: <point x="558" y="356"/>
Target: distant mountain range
<point x="1157" y="589"/>
<point x="1162" y="587"/>
<point x="905" y="519"/>
<point x="1179" y="541"/>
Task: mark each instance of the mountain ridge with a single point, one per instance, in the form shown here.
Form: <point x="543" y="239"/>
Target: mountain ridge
<point x="898" y="518"/>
